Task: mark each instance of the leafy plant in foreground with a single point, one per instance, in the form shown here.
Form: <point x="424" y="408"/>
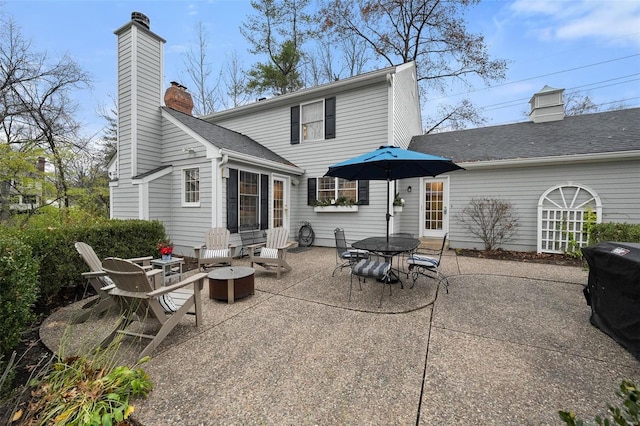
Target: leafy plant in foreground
<point x="626" y="415"/>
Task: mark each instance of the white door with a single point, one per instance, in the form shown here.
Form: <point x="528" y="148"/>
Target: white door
<point x="434" y="207"/>
<point x="280" y="202"/>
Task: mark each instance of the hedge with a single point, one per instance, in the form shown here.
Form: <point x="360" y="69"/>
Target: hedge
<point x="18" y="291"/>
<point x="617" y="232"/>
<point x="60" y="263"/>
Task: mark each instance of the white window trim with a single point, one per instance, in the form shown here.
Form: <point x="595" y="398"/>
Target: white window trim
<point x="302" y="139"/>
<point x="334" y="208"/>
<point x="183" y="188"/>
<point x="259" y="211"/>
<point x="568" y="205"/>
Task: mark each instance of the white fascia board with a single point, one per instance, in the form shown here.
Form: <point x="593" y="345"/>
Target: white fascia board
<point x="541" y="161"/>
<point x="152" y="177"/>
<point x="196" y="137"/>
<point x="316" y="91"/>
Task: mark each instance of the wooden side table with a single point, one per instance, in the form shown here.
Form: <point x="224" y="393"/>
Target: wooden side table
<point x="231" y="283"/>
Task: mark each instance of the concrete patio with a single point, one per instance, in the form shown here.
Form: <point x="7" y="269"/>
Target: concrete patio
<point x="510" y="343"/>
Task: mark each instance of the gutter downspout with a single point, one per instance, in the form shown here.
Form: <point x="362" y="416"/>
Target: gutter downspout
<point x="217" y="189"/>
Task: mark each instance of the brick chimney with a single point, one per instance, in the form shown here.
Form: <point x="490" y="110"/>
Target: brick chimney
<point x="176" y="97"/>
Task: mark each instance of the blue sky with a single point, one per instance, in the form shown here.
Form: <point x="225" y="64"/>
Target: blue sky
<point x="588" y="45"/>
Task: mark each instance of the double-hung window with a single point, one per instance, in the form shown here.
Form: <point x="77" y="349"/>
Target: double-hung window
<point x="313" y="121"/>
<point x="249" y="197"/>
<point x="191" y="187"/>
<point x="330" y="188"/>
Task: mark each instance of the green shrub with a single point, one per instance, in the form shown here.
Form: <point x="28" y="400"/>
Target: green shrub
<point x="618" y="232"/>
<point x="18" y="291"/>
<point x="60" y="264"/>
<point x="626" y="414"/>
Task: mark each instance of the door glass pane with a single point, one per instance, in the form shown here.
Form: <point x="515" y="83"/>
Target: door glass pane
<point x="278" y="203"/>
<point x="433" y="205"/>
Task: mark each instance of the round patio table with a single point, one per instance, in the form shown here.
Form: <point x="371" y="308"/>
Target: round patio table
<point x="388" y="248"/>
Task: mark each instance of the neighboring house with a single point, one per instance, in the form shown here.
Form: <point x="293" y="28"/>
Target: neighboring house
<point x="255" y="166"/>
<point x="24" y="193"/>
<point x="552" y="169"/>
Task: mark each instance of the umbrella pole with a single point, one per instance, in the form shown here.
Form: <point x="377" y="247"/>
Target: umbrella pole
<point x="388" y="214"/>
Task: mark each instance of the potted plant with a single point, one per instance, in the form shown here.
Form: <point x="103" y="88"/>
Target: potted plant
<point x="166" y="249"/>
<point x="398" y="203"/>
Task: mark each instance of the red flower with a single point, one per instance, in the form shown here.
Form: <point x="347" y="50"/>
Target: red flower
<point x="165" y="247"/>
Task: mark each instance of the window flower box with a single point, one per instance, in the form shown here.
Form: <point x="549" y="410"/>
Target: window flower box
<point x="397" y="209"/>
<point x="335" y="209"/>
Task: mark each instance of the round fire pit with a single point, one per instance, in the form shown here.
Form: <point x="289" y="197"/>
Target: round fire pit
<point x="231" y="283"/>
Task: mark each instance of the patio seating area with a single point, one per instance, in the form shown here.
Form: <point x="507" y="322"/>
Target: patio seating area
<point x="510" y="343"/>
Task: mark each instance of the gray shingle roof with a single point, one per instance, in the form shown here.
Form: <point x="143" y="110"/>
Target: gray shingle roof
<point x="227" y="139"/>
<point x="612" y="131"/>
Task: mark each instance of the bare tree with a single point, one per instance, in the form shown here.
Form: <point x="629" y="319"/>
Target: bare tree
<point x="199" y="69"/>
<point x="430" y="32"/>
<point x="37" y="112"/>
<point x="575" y="104"/>
<point x="336" y="58"/>
<point x="235" y="81"/>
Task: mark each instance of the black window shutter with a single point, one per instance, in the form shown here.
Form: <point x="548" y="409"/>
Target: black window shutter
<point x="232" y="201"/>
<point x="311" y="191"/>
<point x="330" y="118"/>
<point x="295" y="125"/>
<point x="363" y="192"/>
<point x="264" y="201"/>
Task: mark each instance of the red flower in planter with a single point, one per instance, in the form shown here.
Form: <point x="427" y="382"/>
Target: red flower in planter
<point x="165" y="248"/>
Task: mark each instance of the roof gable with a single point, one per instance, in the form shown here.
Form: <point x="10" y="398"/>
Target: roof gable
<point x="605" y="132"/>
<point x="226" y="139"/>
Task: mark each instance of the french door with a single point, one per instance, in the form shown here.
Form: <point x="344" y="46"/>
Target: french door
<point x="280" y="202"/>
<point x="434" y="207"/>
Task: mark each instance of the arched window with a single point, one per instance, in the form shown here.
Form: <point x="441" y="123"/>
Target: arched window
<point x="563" y="212"/>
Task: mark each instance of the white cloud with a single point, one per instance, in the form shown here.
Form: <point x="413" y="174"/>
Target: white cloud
<point x="612" y="21"/>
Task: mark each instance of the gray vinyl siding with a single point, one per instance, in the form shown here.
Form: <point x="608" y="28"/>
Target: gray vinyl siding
<point x="149" y="89"/>
<point x="160" y="201"/>
<point x="406" y="116"/>
<point x="125" y="202"/>
<point x="617" y="184"/>
<point x="188" y="224"/>
<point x="358" y="130"/>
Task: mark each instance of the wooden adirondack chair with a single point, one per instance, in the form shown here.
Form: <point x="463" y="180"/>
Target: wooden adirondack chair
<point x="273" y="253"/>
<point x="99" y="281"/>
<point x="137" y="299"/>
<point x="216" y="251"/>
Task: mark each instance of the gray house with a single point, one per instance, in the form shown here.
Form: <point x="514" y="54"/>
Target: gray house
<point x="552" y="169"/>
<point x="256" y="166"/>
<point x="261" y="165"/>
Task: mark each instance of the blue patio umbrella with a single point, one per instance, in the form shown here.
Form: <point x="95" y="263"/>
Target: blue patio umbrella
<point x="391" y="163"/>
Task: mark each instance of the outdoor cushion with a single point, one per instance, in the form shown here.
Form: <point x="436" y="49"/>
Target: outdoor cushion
<point x="269" y="253"/>
<point x="355" y="253"/>
<point x="425" y="261"/>
<point x="167" y="303"/>
<point x="370" y="268"/>
<point x="212" y="253"/>
<point x="108" y="283"/>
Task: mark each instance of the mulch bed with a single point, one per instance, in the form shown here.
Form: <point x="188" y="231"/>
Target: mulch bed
<point x="531" y="257"/>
